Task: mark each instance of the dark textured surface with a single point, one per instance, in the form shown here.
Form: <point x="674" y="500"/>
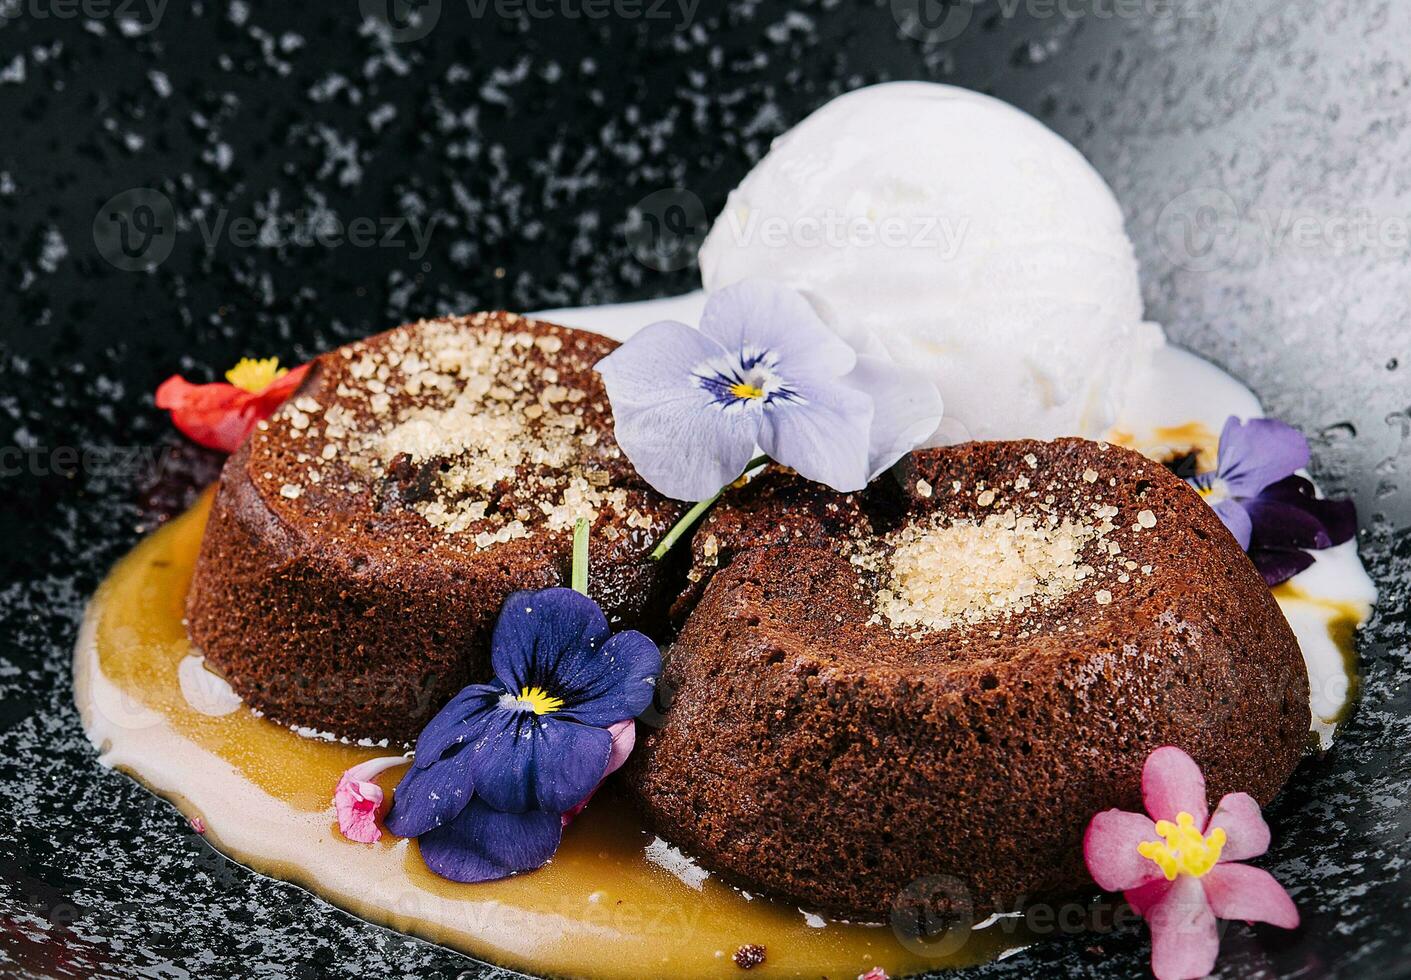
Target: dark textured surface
<point x="523" y="145"/>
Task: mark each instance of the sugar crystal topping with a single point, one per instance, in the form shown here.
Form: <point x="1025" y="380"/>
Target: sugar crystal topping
<point x="1022" y="550"/>
<point x="482" y="425"/>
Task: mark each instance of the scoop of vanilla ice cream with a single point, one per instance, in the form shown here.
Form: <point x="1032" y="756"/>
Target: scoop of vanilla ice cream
<point x="962" y="237"/>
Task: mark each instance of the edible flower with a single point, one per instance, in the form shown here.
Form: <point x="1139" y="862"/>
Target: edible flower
<point x="1176" y="865"/>
<point x="221" y="415"/>
<point x="358" y="800"/>
<point x="763" y="369"/>
<point x="502" y="767"/>
<point x="624" y="739"/>
<point x="1273" y="513"/>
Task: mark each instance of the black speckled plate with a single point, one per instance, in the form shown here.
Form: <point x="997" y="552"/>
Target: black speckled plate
<point x="180" y="185"/>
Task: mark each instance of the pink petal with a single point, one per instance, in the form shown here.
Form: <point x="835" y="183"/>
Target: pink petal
<point x="1143" y="898"/>
<point x="624" y="737"/>
<point x="1184" y="940"/>
<point x="1110" y="850"/>
<point x="1246" y="833"/>
<point x="357" y="804"/>
<point x="358" y="800"/>
<point x="1171" y="784"/>
<point x="1238" y="891"/>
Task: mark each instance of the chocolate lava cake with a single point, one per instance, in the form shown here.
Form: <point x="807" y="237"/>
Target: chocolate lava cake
<point x="362" y="541"/>
<point x="949" y="673"/>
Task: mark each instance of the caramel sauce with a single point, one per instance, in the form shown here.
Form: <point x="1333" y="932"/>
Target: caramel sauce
<point x="601" y="908"/>
<point x="1167" y="442"/>
<point x="1342" y="618"/>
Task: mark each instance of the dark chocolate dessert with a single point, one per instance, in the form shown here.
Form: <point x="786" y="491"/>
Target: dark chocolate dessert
<point x="949" y="674"/>
<point x="363" y="540"/>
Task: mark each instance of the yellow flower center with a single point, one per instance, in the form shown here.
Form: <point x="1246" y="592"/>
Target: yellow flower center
<point x="255" y="375"/>
<point x="1183" y="849"/>
<point x="743" y="389"/>
<point x="538" y="700"/>
<point x="1215" y="492"/>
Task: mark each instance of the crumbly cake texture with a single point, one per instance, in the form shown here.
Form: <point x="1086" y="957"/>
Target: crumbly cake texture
<point x="949" y="673"/>
<point x="363" y="540"/>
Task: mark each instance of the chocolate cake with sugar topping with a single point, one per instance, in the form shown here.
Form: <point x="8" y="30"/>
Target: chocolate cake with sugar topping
<point x="950" y="672"/>
<point x="362" y="541"/>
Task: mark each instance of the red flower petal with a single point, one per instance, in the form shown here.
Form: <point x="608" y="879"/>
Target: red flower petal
<point x="220" y="415"/>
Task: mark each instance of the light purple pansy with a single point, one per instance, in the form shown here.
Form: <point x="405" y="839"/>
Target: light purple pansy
<point x="1273" y="513"/>
<point x="500" y="766"/>
<point x="763" y="369"/>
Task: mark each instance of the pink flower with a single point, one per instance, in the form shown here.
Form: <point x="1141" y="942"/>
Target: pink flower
<point x="876" y="973"/>
<point x="1177" y="867"/>
<point x="624" y="737"/>
<point x="358" y="800"/>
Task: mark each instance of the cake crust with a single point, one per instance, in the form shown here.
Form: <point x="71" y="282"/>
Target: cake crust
<point x="362" y="541"/>
<point x="826" y="745"/>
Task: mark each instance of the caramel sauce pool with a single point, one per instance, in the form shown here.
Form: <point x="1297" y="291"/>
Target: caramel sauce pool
<point x="600" y="909"/>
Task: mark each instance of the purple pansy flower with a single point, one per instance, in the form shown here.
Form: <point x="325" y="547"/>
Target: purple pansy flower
<point x="500" y="764"/>
<point x="1273" y="513"/>
<point x="691" y="405"/>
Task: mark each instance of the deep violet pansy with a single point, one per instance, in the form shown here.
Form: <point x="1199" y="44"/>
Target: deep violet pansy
<point x="500" y="766"/>
<point x="1177" y="864"/>
<point x="689" y="406"/>
<point x="1274" y="514"/>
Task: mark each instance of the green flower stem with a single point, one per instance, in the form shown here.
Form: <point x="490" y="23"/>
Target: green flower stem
<point x="580" y="556"/>
<point x="693" y="515"/>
